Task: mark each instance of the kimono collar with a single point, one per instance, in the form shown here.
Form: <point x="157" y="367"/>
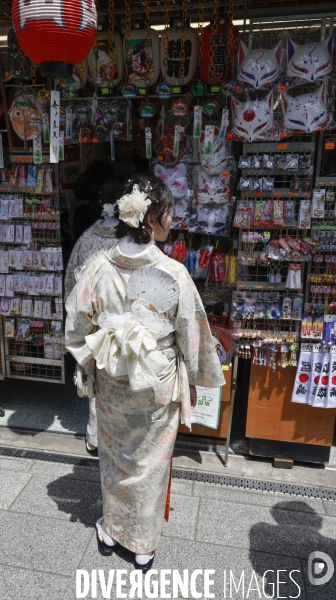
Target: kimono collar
<point x="151" y="257"/>
<point x="103" y="231"/>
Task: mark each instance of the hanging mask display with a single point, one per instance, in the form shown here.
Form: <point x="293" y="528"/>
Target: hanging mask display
<point x="26" y="116"/>
<point x="223" y="69"/>
<point x="212" y="189"/>
<point x="220" y="159"/>
<point x="253" y="120"/>
<point x="171" y="71"/>
<point x="259" y="68"/>
<point x="175" y="179"/>
<point x="135" y="57"/>
<point x="311" y="61"/>
<point x="306" y="113"/>
<point x="103" y="71"/>
<point x="212" y="219"/>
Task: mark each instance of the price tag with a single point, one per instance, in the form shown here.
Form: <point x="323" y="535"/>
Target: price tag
<point x="282" y="88"/>
<point x="276" y="193"/>
<point x="176" y="89"/>
<point x="142" y="91"/>
<point x="215" y="89"/>
<point x="258" y="193"/>
<point x="329" y="146"/>
<point x="282" y="134"/>
<point x="105" y="91"/>
<point x="282" y="146"/>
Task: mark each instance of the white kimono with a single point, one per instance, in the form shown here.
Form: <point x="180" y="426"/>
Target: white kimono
<point x="142" y="374"/>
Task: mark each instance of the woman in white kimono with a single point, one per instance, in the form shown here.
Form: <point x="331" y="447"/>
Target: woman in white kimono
<point x="137" y="326"/>
<point x="99" y="237"/>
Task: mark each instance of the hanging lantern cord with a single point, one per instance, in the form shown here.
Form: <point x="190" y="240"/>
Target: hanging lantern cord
<point x="21" y="62"/>
<point x="148" y="61"/>
<point x="33" y="75"/>
<point x="182" y="41"/>
<point x="200" y="32"/>
<point x="165" y="33"/>
<point x="213" y="43"/>
<point x="127" y="31"/>
<point x="229" y="46"/>
<point x="111" y="47"/>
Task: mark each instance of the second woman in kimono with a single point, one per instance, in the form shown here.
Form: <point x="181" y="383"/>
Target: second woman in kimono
<point x="137" y="325"/>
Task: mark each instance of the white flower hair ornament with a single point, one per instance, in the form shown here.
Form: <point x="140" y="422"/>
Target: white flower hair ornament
<point x="133" y="207"/>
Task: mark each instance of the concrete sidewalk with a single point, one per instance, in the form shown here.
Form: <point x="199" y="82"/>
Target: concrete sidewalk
<point x="48" y="511"/>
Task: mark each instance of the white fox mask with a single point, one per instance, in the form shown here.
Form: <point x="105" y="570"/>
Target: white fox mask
<point x="311" y="60"/>
<point x="259" y="68"/>
<point x="306" y="113"/>
<point x="253" y="118"/>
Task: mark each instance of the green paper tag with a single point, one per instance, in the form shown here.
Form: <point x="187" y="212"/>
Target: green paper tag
<point x="105" y="91"/>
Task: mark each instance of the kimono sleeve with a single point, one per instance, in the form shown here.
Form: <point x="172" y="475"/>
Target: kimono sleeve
<point x="79" y="306"/>
<point x="194" y="338"/>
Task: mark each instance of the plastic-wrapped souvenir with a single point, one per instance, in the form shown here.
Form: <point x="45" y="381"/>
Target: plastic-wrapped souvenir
<point x="119" y="115"/>
<point x="253" y="120"/>
<point x="171" y="138"/>
<point x="245" y="184"/>
<point x="259" y="68"/>
<point x="81" y="128"/>
<point x="311" y="61"/>
<point x="280" y="161"/>
<point x="268" y="162"/>
<point x="212" y="189"/>
<point x="244" y="162"/>
<point x="171" y="70"/>
<point x="306" y="113"/>
<point x="292" y="162"/>
<point x="135" y="57"/>
<point x="219" y="160"/>
<point x="256" y="161"/>
<point x="104" y="71"/>
<point x="26" y="116"/>
<point x="175" y="178"/>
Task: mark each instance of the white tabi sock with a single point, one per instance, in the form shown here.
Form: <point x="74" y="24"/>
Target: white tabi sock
<point x="107" y="539"/>
<point x="143" y="559"/>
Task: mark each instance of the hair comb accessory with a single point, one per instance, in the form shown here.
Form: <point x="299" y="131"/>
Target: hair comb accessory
<point x="133" y="207"/>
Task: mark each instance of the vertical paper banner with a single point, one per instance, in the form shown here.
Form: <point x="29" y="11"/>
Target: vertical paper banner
<point x="54" y="126"/>
<point x="148" y="134"/>
<point x="318" y="357"/>
<point x="37" y="150"/>
<point x="46" y="128"/>
<point x="303" y="376"/>
<point x="322" y="388"/>
<point x="197" y="130"/>
<point x="331" y="397"/>
<point x="61" y="146"/>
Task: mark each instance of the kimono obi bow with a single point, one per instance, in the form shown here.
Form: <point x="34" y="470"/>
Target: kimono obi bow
<point x="126" y="345"/>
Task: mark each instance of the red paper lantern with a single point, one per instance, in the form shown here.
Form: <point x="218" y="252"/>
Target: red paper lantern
<point x="223" y="71"/>
<point x="55" y="34"/>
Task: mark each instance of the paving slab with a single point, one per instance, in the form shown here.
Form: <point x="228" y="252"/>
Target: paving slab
<point x="183" y="517"/>
<point x="270" y="499"/>
<point x="272" y="530"/>
<point x="11" y="485"/>
<point x="54" y="469"/>
<point x="214" y="463"/>
<point x="49" y="442"/>
<point x="184" y="488"/>
<point x="41" y="543"/>
<point x="61" y="498"/>
<point x="22" y="465"/>
<point x="31" y="585"/>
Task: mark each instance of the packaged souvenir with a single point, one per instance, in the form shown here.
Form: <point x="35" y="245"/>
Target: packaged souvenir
<point x="304" y="161"/>
<point x="2" y="285"/>
<point x="273" y="310"/>
<point x="292" y="162"/>
<point x="278" y="213"/>
<point x="304" y="214"/>
<point x="244" y="162"/>
<point x="17" y="279"/>
<point x="268" y="162"/>
<point x="256" y="161"/>
<point x="268" y="184"/>
<point x="23" y="327"/>
<point x="242" y="216"/>
<point x="22" y="176"/>
<point x="9" y="286"/>
<point x="287" y="308"/>
<point x="171" y="137"/>
<point x="237" y="309"/>
<point x="297" y="308"/>
<point x="245" y="184"/>
<point x="5" y="306"/>
<point x="295" y="185"/>
<point x="280" y="161"/>
<point x="257" y="184"/>
<point x="39" y="182"/>
<point x="8" y="233"/>
<point x="306" y="185"/>
<point x="318" y="204"/>
<point x="293" y="281"/>
<point x="259" y="68"/>
<point x="4" y="266"/>
<point x="4" y="208"/>
<point x="9" y="328"/>
<point x="47" y="187"/>
<point x="259" y="310"/>
<point x="38" y="309"/>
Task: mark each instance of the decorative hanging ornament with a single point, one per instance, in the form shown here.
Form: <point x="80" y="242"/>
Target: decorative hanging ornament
<point x="56" y="35"/>
<point x="129" y="90"/>
<point x="222" y="70"/>
<point x="104" y="70"/>
<point x="19" y="64"/>
<point x="142" y="53"/>
<point x="211" y="107"/>
<point x="146" y="110"/>
<point x="26" y="116"/>
<point x="163" y="90"/>
<point x="179" y="108"/>
<point x="71" y="85"/>
<point x="171" y="71"/>
<point x="199" y="89"/>
<point x="252" y="120"/>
